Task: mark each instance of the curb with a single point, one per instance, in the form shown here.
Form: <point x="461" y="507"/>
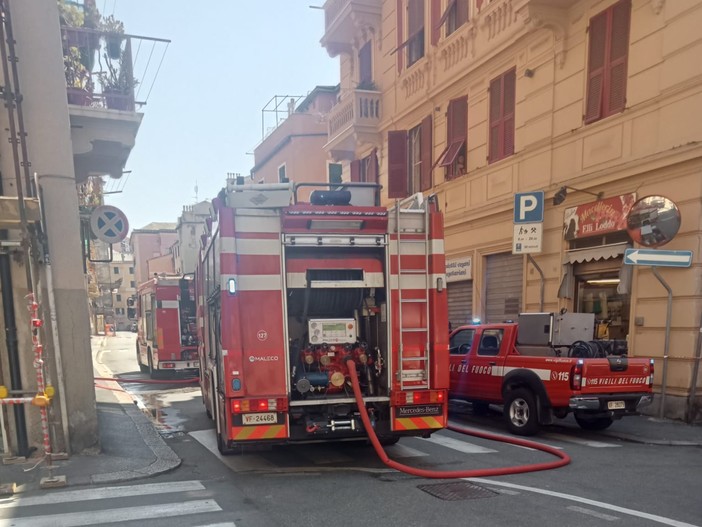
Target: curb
<point x="647" y="441"/>
<point x="166" y="458"/>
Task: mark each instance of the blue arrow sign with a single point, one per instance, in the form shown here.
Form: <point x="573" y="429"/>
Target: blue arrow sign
<point x="656" y="257"/>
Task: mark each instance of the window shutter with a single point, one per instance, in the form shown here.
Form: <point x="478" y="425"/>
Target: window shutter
<point x="456" y="130"/>
<point x="509" y="101"/>
<point x="400" y="40"/>
<point x="495" y="119"/>
<point x="618" y="53"/>
<point x="596" y="67"/>
<point x="397" y="164"/>
<point x="426" y="151"/>
<point x="373" y="167"/>
<point x="435" y="21"/>
<point x="461" y="12"/>
<point x="355" y="171"/>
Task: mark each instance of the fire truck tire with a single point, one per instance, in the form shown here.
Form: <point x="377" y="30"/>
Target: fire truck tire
<point x="223" y="449"/>
<point x="593" y="423"/>
<point x="520" y="412"/>
<point x="388" y="440"/>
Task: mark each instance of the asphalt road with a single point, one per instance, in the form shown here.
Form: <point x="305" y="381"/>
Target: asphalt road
<point x="609" y="482"/>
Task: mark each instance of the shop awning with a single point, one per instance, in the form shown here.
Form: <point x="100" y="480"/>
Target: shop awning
<point x="592" y="254"/>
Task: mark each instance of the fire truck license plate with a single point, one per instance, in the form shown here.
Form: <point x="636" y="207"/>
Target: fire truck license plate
<point x="259" y="419"/>
<point x="616" y="405"/>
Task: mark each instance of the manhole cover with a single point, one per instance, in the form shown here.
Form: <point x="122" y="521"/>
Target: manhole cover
<point x="460" y="490"/>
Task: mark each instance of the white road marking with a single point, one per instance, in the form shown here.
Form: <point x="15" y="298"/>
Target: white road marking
<point x="596" y="514"/>
<point x="586" y="501"/>
<point x="455" y="444"/>
<point x="401" y="451"/>
<point x="77" y="519"/>
<point x="578" y="441"/>
<point x="101" y="493"/>
<point x="238" y="463"/>
<point x="227" y="524"/>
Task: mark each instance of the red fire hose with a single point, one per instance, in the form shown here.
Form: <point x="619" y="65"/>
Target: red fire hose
<point x="564" y="458"/>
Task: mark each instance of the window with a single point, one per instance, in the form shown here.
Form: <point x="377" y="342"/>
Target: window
<point x="118" y="298"/>
<point x="115" y="270"/>
<point x="365" y="170"/>
<point x="282" y="177"/>
<point x="119" y="311"/>
<point x="490" y="342"/>
<point x="334" y="171"/>
<point x="454" y="156"/>
<point x="608" y="49"/>
<point x="461" y="341"/>
<point x="132" y="284"/>
<point x="415" y="31"/>
<point x="414" y="43"/>
<point x="365" y="67"/>
<point x="454" y="16"/>
<point x="409" y="160"/>
<point x="502" y="102"/>
<point x="131" y="270"/>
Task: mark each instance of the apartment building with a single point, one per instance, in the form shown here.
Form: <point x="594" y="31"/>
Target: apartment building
<point x="584" y="106"/>
<point x="62" y="126"/>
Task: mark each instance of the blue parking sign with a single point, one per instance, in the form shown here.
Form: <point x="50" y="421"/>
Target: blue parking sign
<point x="529" y="207"/>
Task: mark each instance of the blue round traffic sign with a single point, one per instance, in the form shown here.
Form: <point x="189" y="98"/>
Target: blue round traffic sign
<point x="109" y="224"/>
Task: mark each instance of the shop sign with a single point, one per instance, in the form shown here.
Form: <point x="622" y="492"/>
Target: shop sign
<point x="598" y="217"/>
<point x="458" y="269"/>
<point x="527" y="238"/>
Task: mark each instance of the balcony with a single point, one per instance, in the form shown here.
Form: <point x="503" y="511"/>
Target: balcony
<point x="353" y="122"/>
<point x="344" y="19"/>
<point x="102" y="90"/>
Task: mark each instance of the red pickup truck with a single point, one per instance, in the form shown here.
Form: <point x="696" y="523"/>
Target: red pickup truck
<point x="537" y="383"/>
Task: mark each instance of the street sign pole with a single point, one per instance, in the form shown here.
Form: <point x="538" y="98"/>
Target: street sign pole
<point x="666" y="346"/>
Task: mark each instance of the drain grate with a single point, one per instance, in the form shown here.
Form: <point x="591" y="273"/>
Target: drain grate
<point x="456" y="491"/>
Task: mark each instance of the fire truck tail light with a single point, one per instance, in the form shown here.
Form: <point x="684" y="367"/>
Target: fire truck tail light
<point x="259" y="405"/>
<point x="650" y="376"/>
<point x="576" y="376"/>
<point x="236" y="407"/>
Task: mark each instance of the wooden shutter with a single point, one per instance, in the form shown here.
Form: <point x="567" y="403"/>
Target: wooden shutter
<point x="618" y="53"/>
<point x="435" y="21"/>
<point x="456" y="130"/>
<point x="509" y="101"/>
<point x="596" y="67"/>
<point x="365" y="71"/>
<point x="355" y="171"/>
<point x="399" y="31"/>
<point x="426" y="151"/>
<point x="461" y="12"/>
<point x="373" y="167"/>
<point x="495" y="119"/>
<point x="397" y="164"/>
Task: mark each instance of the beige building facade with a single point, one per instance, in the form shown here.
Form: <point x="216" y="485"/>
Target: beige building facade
<point x="592" y="102"/>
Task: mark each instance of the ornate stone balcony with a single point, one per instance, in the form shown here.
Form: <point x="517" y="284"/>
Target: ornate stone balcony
<point x="354" y="121"/>
<point x="345" y="20"/>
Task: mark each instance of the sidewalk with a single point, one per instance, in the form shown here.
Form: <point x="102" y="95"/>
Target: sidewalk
<point x="131" y="448"/>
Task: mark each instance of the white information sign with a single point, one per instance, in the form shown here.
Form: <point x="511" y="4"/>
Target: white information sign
<point x="458" y="269"/>
<point x="527" y="238"/>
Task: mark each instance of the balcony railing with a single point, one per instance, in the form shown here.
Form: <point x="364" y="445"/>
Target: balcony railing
<point x="100" y="67"/>
<point x="361" y="109"/>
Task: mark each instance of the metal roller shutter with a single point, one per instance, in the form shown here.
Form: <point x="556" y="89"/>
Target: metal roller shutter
<point x="504" y="287"/>
<point x="460" y="302"/>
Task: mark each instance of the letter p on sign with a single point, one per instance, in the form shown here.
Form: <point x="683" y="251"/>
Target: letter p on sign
<point x="529" y="207"/>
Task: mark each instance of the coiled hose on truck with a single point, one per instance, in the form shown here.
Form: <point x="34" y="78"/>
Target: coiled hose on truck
<point x="474" y="473"/>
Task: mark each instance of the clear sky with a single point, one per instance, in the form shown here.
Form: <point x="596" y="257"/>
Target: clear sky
<point x="226" y="60"/>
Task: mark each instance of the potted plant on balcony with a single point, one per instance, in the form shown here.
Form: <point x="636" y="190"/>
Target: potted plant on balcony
<point x="78" y="80"/>
<point x="113" y="29"/>
<point x="118" y="86"/>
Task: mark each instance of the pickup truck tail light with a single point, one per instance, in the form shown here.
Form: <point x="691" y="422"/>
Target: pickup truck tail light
<point x="650" y="375"/>
<point x="576" y="375"/>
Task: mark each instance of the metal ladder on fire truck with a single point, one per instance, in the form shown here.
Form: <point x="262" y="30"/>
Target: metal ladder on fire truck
<point x="412" y="218"/>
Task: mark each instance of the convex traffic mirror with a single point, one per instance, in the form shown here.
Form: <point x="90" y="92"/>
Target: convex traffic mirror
<point x="653" y="221"/>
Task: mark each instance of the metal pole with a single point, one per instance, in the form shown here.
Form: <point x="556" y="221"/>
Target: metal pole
<point x="541" y="288"/>
<point x="695" y="372"/>
<point x="669" y="315"/>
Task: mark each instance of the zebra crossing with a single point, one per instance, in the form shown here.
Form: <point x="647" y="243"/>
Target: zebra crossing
<point x="323" y="457"/>
<point x="180" y="500"/>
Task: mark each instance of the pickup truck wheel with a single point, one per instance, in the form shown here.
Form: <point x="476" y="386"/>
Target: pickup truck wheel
<point x="520" y="412"/>
<point x="593" y="423"/>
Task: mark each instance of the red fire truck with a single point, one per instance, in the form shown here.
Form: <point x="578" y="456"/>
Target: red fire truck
<point x="167" y="326"/>
<point x="289" y="292"/>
